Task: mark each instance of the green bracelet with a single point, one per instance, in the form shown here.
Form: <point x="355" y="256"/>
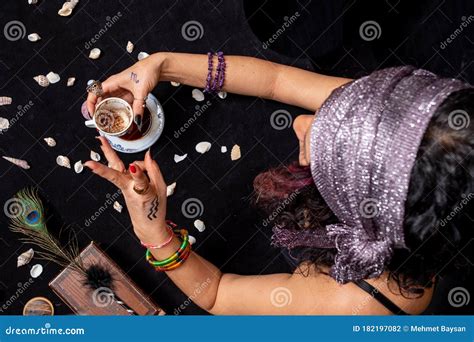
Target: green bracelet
<point x="172" y="258"/>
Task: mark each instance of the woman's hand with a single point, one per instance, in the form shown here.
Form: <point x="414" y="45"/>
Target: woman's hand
<point x="144" y="190"/>
<point x="133" y="85"/>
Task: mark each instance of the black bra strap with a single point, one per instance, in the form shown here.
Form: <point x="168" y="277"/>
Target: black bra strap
<point x="380" y="297"/>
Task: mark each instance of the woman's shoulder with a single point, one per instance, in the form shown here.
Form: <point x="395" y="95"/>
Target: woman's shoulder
<point x="323" y="295"/>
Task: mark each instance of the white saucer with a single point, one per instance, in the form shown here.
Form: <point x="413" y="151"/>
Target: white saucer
<point x="151" y="136"/>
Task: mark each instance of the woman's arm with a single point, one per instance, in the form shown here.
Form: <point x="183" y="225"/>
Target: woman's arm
<point x="253" y="77"/>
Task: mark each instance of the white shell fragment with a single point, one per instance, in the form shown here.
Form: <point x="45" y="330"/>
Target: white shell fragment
<point x="4" y="124"/>
<point x="95" y="156"/>
<point x="222" y="94"/>
<point x="235" y="152"/>
<point x="5" y="100"/>
<point x="178" y="158"/>
<point x="36" y="271"/>
<point x="78" y="167"/>
<point x="70" y="81"/>
<point x="198" y="95"/>
<point x="170" y="189"/>
<point x="223" y="149"/>
<point x="53" y="77"/>
<point x="130" y="47"/>
<point x="50" y="141"/>
<point x="18" y="162"/>
<point x="34" y="37"/>
<point x="203" y="147"/>
<point x="118" y="206"/>
<point x="175" y="84"/>
<point x="192" y="239"/>
<point x="199" y="225"/>
<point x="25" y="257"/>
<point x="95" y="53"/>
<point x="90" y="82"/>
<point x="67" y="8"/>
<point x="32" y="2"/>
<point x="142" y="55"/>
<point x="42" y="80"/>
<point x="63" y="161"/>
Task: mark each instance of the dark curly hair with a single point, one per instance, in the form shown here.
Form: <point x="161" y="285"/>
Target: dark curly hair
<point x="441" y="193"/>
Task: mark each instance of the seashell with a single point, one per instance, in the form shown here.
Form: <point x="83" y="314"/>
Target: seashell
<point x="222" y="94"/>
<point x="50" y="141"/>
<point x="175" y="84"/>
<point x="63" y="161"/>
<point x="4" y="124"/>
<point x="34" y="37"/>
<point x="78" y="167"/>
<point x="18" y="162"/>
<point x="85" y="112"/>
<point x="32" y="2"/>
<point x="235" y="152"/>
<point x="95" y="156"/>
<point x="95" y="53"/>
<point x="118" y="206"/>
<point x="90" y="82"/>
<point x="42" y="80"/>
<point x="36" y="271"/>
<point x="5" y="100"/>
<point x="130" y="47"/>
<point x="178" y="158"/>
<point x="192" y="239"/>
<point x="67" y="8"/>
<point x="170" y="189"/>
<point x="198" y="95"/>
<point x="199" y="225"/>
<point x="70" y="81"/>
<point x="25" y="257"/>
<point x="142" y="55"/>
<point x="53" y="77"/>
<point x="223" y="149"/>
<point x="203" y="147"/>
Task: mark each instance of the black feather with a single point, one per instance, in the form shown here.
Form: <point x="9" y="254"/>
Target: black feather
<point x="98" y="276"/>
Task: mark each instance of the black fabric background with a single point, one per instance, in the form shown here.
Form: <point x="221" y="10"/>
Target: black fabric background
<point x="325" y="38"/>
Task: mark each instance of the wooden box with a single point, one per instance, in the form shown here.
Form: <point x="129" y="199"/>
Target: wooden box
<point x="68" y="285"/>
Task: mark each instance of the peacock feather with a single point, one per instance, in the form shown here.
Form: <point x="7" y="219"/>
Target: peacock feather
<point x="29" y="220"/>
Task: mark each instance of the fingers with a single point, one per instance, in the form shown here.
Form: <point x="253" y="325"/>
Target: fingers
<point x="139" y="178"/>
<point x="139" y="102"/>
<point x="108" y="86"/>
<point x="114" y="161"/>
<point x="154" y="172"/>
<point x="119" y="179"/>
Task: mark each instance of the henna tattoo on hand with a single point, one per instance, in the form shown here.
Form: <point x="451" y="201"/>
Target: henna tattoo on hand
<point x="134" y="77"/>
<point x="153" y="208"/>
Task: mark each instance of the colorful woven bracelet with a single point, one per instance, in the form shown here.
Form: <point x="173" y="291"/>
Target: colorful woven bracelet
<point x="178" y="262"/>
<point x="176" y="257"/>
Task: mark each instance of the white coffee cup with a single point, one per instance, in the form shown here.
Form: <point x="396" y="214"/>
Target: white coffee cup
<point x="112" y="105"/>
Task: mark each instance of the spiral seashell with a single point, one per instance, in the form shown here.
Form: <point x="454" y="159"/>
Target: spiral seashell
<point x="42" y="80"/>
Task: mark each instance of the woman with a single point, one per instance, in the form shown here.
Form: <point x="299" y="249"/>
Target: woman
<point x="388" y="164"/>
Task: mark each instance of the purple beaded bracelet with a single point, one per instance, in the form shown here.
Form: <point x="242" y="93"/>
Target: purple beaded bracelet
<point x="215" y="85"/>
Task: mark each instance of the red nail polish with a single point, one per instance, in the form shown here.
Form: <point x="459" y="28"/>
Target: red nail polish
<point x="132" y="168"/>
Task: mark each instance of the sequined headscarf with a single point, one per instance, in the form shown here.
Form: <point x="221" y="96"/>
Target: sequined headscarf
<point x="364" y="143"/>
